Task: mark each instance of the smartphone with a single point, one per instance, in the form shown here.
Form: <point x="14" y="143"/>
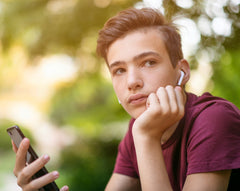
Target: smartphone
<point x="17" y="136"/>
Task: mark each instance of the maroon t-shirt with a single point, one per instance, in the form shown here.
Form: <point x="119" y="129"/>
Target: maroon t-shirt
<point x="207" y="139"/>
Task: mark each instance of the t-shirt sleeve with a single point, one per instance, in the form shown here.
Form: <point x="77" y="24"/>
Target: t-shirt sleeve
<point x="126" y="157"/>
<point x="214" y="142"/>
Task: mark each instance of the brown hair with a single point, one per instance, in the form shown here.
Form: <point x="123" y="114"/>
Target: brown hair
<point x="135" y="19"/>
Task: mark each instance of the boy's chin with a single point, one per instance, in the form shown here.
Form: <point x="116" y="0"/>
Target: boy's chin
<point x="137" y="112"/>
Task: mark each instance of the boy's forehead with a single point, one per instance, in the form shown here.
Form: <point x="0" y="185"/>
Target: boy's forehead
<point x="147" y="31"/>
<point x="144" y="30"/>
<point x="136" y="42"/>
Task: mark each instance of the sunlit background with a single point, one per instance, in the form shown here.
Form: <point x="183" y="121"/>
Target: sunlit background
<point x="59" y="92"/>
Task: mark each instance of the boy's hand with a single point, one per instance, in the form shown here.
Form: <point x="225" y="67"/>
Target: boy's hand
<point x="24" y="173"/>
<point x="164" y="109"/>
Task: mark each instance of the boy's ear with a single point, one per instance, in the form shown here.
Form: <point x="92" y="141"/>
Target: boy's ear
<point x="183" y="65"/>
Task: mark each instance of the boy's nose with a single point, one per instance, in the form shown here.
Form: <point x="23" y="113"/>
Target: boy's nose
<point x="134" y="79"/>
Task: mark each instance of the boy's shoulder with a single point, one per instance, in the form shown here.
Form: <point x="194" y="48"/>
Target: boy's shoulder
<point x="208" y="103"/>
<point x="207" y="113"/>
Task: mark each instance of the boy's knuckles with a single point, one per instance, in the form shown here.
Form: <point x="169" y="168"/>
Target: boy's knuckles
<point x="156" y="112"/>
<point x="23" y="175"/>
<point x="32" y="186"/>
<point x="166" y="112"/>
<point x="174" y="109"/>
<point x="19" y="182"/>
<point x="15" y="172"/>
<point x="182" y="113"/>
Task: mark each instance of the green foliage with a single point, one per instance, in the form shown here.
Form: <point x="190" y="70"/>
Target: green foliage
<point x="45" y="26"/>
<point x="88" y="164"/>
<point x="88" y="104"/>
<point x="226" y="77"/>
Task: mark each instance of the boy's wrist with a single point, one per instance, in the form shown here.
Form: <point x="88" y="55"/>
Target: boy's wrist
<point x="145" y="138"/>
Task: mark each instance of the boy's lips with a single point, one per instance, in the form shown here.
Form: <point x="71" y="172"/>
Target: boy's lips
<point x="137" y="99"/>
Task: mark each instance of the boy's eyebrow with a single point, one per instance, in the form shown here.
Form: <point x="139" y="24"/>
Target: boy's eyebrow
<point x="114" y="64"/>
<point x="144" y="54"/>
<point x="135" y="58"/>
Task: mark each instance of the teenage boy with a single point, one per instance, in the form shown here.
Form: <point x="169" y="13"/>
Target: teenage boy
<point x="176" y="140"/>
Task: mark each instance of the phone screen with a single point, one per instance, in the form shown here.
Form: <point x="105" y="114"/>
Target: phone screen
<point x="17" y="136"/>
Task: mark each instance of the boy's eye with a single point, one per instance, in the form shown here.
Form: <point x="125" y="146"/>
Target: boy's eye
<point x="149" y="63"/>
<point x="118" y="71"/>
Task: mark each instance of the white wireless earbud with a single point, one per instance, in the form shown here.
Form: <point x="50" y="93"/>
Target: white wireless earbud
<point x="181" y="78"/>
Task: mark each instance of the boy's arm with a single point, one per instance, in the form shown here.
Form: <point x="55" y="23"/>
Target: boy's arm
<point x="165" y="108"/>
<point x="119" y="182"/>
<point x="155" y="177"/>
<point x="152" y="169"/>
<point x="147" y="134"/>
<point x="212" y="181"/>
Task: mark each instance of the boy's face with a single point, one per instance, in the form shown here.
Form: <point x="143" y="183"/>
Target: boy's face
<point x="139" y="64"/>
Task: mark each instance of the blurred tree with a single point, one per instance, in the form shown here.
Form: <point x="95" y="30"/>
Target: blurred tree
<point x="89" y="164"/>
<point x="50" y="26"/>
<point x="226" y="76"/>
<point x="214" y="19"/>
<point x="88" y="103"/>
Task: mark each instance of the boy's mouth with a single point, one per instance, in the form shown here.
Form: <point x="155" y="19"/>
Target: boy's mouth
<point x="137" y="99"/>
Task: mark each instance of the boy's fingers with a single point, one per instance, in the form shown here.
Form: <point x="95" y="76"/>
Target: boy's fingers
<point x="21" y="156"/>
<point x="163" y="99"/>
<point x="41" y="181"/>
<point x="172" y="100"/>
<point x="26" y="174"/>
<point x="64" y="188"/>
<point x="152" y="100"/>
<point x="180" y="100"/>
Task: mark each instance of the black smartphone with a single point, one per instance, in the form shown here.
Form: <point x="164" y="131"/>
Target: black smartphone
<point x="17" y="136"/>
